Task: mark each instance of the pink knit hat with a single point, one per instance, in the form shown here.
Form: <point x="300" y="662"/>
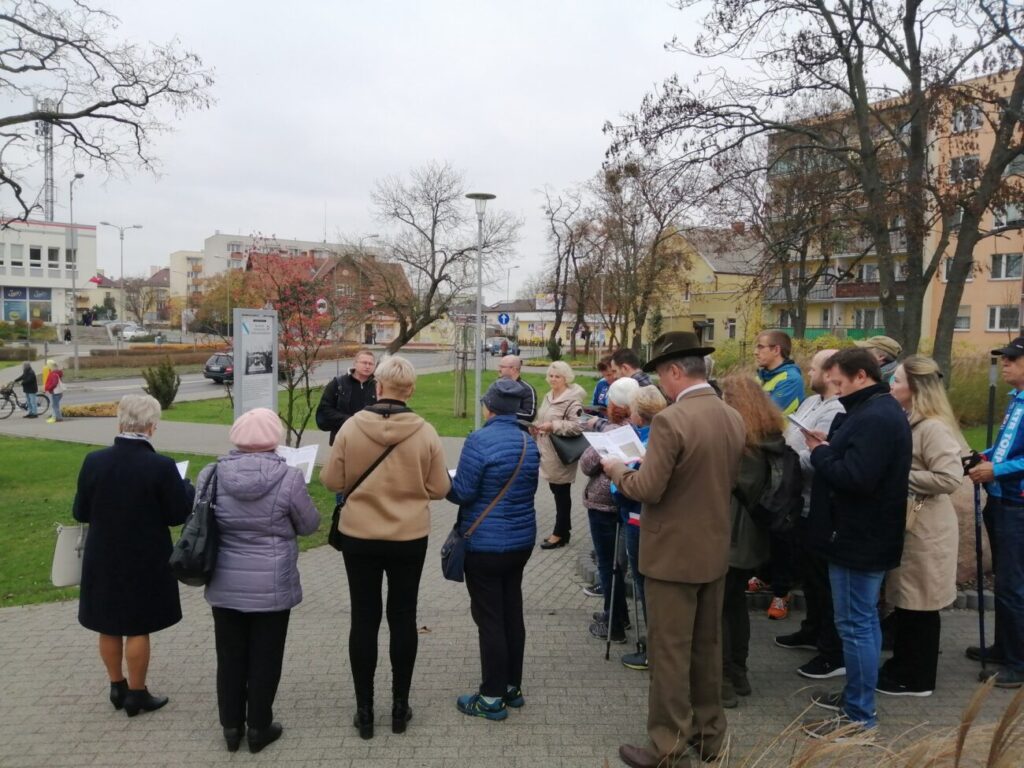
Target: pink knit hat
<point x="257" y="430"/>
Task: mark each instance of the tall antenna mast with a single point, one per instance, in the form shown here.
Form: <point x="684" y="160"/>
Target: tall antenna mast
<point x="44" y="132"/>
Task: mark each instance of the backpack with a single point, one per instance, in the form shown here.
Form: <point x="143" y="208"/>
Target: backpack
<point x="195" y="555"/>
<point x="781" y="499"/>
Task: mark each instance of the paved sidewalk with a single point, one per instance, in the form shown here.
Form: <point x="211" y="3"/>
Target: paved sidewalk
<point x="579" y="708"/>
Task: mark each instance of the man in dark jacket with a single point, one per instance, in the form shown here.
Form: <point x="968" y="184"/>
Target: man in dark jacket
<point x="856" y="522"/>
<point x="511" y="367"/>
<point x="626" y="362"/>
<point x="348" y="394"/>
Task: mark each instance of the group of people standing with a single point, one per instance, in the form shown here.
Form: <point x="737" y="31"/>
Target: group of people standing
<point x="879" y="455"/>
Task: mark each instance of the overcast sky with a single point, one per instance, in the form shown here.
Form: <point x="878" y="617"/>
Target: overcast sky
<point x="316" y="100"/>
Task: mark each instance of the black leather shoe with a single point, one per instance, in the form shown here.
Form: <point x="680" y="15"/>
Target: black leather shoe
<point x="364" y="720"/>
<point x="142" y="701"/>
<point x="993" y="654"/>
<point x="401" y="714"/>
<point x="233" y="737"/>
<point x="118" y="693"/>
<point x="261" y="737"/>
<point x="548" y="544"/>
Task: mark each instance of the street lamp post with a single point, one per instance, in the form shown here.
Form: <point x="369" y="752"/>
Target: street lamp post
<point x="480" y="200"/>
<point x="124" y="303"/>
<point x="74" y="268"/>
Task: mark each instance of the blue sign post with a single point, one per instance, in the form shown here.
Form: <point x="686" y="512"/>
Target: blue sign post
<point x="503" y="318"/>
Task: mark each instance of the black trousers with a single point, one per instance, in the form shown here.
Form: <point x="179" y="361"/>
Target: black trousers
<point x="735" y="622"/>
<point x="782" y="562"/>
<point x="366" y="562"/>
<point x="988" y="513"/>
<point x="563" y="508"/>
<point x="495" y="584"/>
<point x="820" y="620"/>
<point x="250" y="650"/>
<point x="915" y="650"/>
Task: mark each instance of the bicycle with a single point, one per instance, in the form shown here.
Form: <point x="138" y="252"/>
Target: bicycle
<point x="10" y="402"/>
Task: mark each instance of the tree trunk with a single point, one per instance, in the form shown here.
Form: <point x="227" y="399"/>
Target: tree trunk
<point x="959" y="271"/>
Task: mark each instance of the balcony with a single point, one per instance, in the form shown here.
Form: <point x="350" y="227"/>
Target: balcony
<point x="856" y="290"/>
<point x="776" y="294"/>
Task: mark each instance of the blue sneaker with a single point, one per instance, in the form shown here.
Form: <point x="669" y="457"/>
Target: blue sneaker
<point x="514" y="697"/>
<point x="472" y="704"/>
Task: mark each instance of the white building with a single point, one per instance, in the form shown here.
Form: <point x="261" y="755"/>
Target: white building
<point x="37" y="270"/>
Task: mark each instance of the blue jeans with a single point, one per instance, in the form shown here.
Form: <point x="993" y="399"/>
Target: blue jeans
<point x="1008" y="522"/>
<point x="855" y="602"/>
<point x="55" y="402"/>
<point x="633" y="554"/>
<point x="30" y="399"/>
<point x="602" y="533"/>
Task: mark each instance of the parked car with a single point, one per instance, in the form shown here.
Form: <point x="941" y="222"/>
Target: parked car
<point x="220" y="368"/>
<point x="131" y="332"/>
<point x="493" y="345"/>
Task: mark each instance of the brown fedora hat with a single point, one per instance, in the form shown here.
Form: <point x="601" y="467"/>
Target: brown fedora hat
<point x="675" y="344"/>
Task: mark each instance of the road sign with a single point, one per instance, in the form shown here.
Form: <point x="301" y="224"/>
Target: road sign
<point x="503" y="318"/>
<point x="321" y="306"/>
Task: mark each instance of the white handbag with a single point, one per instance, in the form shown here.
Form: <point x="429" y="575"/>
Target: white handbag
<point x="68" y="554"/>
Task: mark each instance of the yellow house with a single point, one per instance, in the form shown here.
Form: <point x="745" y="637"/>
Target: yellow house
<point x="717" y="297"/>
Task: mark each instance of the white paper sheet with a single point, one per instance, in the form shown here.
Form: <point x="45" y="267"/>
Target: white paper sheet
<point x="182" y="468"/>
<point x="303" y="458"/>
<point x="623" y="443"/>
<point x="451" y="473"/>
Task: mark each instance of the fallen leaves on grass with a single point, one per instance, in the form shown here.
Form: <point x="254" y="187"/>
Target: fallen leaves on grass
<point x="91" y="409"/>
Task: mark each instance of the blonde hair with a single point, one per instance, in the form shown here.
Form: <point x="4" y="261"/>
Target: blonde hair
<point x="760" y="415"/>
<point x="397" y="375"/>
<point x="561" y="368"/>
<point x="648" y="402"/>
<point x="928" y="399"/>
<point x="137" y="413"/>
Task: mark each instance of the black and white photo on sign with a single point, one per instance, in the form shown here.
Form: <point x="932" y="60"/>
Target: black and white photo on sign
<point x="258" y="361"/>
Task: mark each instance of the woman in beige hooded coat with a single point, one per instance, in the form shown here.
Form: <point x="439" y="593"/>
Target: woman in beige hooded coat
<point x="558" y="414"/>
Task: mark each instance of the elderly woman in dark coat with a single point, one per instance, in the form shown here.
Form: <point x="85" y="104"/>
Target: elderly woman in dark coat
<point x="262" y="508"/>
<point x="129" y="495"/>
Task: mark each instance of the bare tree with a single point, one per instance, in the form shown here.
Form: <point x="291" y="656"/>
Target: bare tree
<point x="893" y="74"/>
<point x="97" y="95"/>
<point x="433" y="245"/>
<point x="567" y="225"/>
<point x="139" y="298"/>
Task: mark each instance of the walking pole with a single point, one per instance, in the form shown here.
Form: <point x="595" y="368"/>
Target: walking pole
<point x="636" y="611"/>
<point x="611" y="597"/>
<point x="978" y="521"/>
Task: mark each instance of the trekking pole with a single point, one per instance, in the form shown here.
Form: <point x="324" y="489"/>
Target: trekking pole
<point x="611" y="597"/>
<point x="978" y="520"/>
<point x="636" y="611"/>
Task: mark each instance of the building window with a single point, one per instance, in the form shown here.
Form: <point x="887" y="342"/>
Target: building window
<point x="35" y="256"/>
<point x="3" y="248"/>
<point x="867" y="273"/>
<point x="53" y="258"/>
<point x="865" y="318"/>
<point x="956" y="218"/>
<point x="947" y="262"/>
<point x="785" y="319"/>
<point x="17" y="255"/>
<point x="1015" y="167"/>
<point x="1009" y="215"/>
<point x="963" y="319"/>
<point x="1005" y="318"/>
<point x="69" y="258"/>
<point x="730" y="328"/>
<point x="709" y="330"/>
<point x="964" y="168"/>
<point x="967" y="118"/>
<point x="1006" y="266"/>
<point x="826" y="317"/>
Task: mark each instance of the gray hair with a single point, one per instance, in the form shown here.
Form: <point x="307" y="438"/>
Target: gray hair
<point x="690" y="366"/>
<point x="562" y="368"/>
<point x="137" y="413"/>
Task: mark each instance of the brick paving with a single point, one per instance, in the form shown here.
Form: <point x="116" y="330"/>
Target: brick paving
<point x="579" y="708"/>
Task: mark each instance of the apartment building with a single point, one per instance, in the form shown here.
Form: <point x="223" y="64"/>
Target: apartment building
<point x="38" y="276"/>
<point x="845" y="301"/>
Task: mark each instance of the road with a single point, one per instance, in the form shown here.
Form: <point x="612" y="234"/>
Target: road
<point x="195" y="387"/>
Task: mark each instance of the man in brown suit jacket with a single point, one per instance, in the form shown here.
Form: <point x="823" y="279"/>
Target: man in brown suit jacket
<point x="685" y="483"/>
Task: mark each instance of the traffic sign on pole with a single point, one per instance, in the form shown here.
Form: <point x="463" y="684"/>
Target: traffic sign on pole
<point x="503" y="318"/>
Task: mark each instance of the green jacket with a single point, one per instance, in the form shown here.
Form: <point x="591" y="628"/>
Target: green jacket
<point x="748" y="545"/>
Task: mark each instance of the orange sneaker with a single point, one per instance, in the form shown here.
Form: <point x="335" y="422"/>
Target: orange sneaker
<point x="755" y="585"/>
<point x="779" y="609"/>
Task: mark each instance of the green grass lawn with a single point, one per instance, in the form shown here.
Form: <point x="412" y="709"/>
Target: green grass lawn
<point x="432" y="400"/>
<point x="122" y="372"/>
<point x="38" y="478"/>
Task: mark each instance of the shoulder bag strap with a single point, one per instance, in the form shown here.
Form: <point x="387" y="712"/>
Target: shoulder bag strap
<point x="501" y="493"/>
<point x="370" y="469"/>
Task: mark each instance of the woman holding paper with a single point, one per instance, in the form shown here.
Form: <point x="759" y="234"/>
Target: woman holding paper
<point x="129" y="494"/>
<point x="262" y="506"/>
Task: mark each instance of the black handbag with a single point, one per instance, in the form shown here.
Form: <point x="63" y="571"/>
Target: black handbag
<point x="453" y="551"/>
<point x="569" y="449"/>
<point x="334" y="534"/>
<point x="194" y="557"/>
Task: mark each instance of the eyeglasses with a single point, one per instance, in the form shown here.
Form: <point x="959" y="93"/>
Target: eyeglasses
<point x="765" y="346"/>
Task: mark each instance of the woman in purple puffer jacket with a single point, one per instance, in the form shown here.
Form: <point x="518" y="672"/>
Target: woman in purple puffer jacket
<point x="261" y="506"/>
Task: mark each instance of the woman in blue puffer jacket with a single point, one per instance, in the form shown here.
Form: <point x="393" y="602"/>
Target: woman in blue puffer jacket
<point x="497" y="552"/>
<point x="262" y="506"/>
